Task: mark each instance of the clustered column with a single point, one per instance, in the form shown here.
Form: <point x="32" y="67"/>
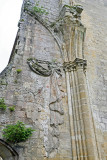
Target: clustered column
<point x="81" y="125"/>
<point x="83" y="137"/>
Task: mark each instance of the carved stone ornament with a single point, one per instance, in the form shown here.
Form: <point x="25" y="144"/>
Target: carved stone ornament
<point x="44" y="68"/>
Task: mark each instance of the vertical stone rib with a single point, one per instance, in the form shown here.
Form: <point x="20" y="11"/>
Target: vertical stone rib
<point x="70" y="49"/>
<point x="75" y="113"/>
<point x="82" y="134"/>
<point x="76" y="42"/>
<point x="81" y="137"/>
<point x="87" y="119"/>
<point x="74" y="136"/>
<point x="83" y="39"/>
<point x="80" y="44"/>
<point x="72" y="44"/>
<point x="78" y="144"/>
<point x="71" y="119"/>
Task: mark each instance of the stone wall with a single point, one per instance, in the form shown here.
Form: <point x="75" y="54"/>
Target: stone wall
<point x="40" y="102"/>
<point x="95" y="20"/>
<point x="54" y="93"/>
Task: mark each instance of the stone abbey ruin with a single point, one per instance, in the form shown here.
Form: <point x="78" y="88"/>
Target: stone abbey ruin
<point x="56" y="82"/>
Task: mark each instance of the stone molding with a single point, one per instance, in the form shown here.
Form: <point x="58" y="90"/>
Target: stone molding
<point x="4" y="146"/>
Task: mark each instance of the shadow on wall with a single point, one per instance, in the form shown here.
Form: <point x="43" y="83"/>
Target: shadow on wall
<point x="7" y="152"/>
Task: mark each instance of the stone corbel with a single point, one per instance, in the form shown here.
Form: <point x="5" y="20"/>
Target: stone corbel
<point x="72" y="11"/>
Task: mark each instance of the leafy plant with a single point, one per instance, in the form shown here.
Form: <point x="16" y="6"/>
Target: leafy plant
<point x="29" y="59"/>
<point x="18" y="70"/>
<point x="35" y="9"/>
<point x="38" y="9"/>
<point x="16" y="133"/>
<point x="2" y="104"/>
<point x="15" y="81"/>
<point x="54" y="60"/>
<point x="12" y="108"/>
<point x="22" y="20"/>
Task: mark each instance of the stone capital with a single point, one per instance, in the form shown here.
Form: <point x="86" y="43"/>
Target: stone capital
<point x="74" y="65"/>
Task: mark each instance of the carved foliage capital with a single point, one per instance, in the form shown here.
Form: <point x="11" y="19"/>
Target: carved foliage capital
<point x="77" y="63"/>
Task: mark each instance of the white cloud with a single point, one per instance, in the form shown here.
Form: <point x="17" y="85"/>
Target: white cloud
<point x="9" y="17"/>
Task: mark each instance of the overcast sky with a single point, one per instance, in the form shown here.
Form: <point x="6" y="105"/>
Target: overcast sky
<point x="9" y="17"/>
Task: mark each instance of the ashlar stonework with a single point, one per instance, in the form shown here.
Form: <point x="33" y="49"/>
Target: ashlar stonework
<point x="61" y="89"/>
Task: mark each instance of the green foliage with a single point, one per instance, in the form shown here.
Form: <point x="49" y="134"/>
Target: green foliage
<point x="15" y="81"/>
<point x="54" y="60"/>
<point x="38" y="9"/>
<point x="16" y="133"/>
<point x="2" y="104"/>
<point x="12" y="108"/>
<point x="18" y="70"/>
<point x="29" y="59"/>
<point x="22" y="20"/>
<point x="3" y="82"/>
<point x="35" y="9"/>
<point x="53" y="24"/>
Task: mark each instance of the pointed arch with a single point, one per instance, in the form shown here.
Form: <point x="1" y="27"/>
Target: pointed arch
<point x="7" y="152"/>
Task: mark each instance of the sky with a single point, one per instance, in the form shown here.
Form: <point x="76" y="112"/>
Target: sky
<point x="9" y="17"/>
